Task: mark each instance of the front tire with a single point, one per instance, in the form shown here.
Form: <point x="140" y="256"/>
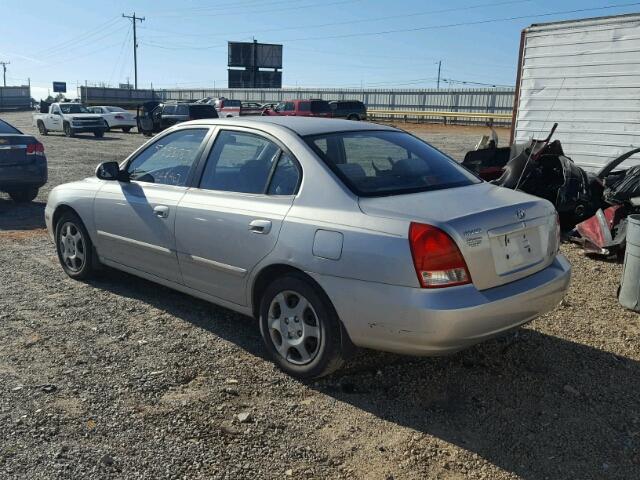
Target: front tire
<point x="23" y="196"/>
<point x="126" y="129"/>
<point x="300" y="328"/>
<point x="99" y="133"/>
<point x="74" y="247"/>
<point x="68" y="131"/>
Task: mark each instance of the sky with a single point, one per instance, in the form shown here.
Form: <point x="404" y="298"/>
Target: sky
<point x="330" y="43"/>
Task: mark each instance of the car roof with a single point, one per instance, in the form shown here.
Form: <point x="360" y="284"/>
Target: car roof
<point x="303" y="126"/>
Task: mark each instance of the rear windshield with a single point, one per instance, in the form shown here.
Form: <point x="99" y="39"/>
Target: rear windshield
<point x="202" y="111"/>
<point x="320" y="106"/>
<point x="376" y="163"/>
<point x="6" y="128"/>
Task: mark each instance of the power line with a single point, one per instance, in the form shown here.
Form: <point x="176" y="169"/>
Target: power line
<point x="82" y="37"/>
<point x="461" y="24"/>
<point x="350" y="22"/>
<point x="135" y="44"/>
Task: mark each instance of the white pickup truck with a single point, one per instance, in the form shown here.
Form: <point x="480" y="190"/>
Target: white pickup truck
<point x="70" y="118"/>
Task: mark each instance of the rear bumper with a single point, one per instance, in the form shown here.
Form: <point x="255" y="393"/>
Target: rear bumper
<point x="29" y="175"/>
<point x="417" y="321"/>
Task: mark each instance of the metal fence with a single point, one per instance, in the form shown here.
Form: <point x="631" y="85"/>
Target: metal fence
<point x="479" y="100"/>
<point x="15" y="98"/>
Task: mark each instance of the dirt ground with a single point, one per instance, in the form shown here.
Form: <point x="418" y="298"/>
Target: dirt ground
<point x="122" y="378"/>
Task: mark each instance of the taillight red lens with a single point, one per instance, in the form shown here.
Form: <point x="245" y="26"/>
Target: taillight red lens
<point x="119" y="117"/>
<point x="436" y="257"/>
<point x="35" y="149"/>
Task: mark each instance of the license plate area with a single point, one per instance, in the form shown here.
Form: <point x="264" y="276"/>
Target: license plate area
<point x="516" y="250"/>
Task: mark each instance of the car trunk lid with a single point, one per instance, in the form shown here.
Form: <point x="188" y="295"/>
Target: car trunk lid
<point x="13" y="149"/>
<point x="504" y="235"/>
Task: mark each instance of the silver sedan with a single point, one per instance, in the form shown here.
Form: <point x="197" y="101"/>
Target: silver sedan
<point x="333" y="234"/>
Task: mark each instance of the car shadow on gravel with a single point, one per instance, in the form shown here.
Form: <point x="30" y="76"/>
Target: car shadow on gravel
<point x="533" y="404"/>
<point x="21" y="216"/>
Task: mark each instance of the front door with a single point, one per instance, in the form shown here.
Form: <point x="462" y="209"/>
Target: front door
<point x="232" y="221"/>
<point x="135" y="220"/>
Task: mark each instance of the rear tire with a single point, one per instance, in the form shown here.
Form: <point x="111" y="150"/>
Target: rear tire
<point x="42" y="129"/>
<point x="126" y="129"/>
<point x="300" y="328"/>
<point x="68" y="131"/>
<point x="353" y="116"/>
<point x="74" y="247"/>
<point x="23" y="196"/>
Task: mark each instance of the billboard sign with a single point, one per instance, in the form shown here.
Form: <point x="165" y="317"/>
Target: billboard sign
<point x="253" y="54"/>
<point x="60" y="87"/>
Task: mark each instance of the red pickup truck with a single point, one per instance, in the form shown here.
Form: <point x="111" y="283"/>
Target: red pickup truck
<point x="301" y="108"/>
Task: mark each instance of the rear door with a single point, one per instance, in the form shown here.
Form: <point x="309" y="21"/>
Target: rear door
<point x="135" y="220"/>
<point x="231" y="221"/>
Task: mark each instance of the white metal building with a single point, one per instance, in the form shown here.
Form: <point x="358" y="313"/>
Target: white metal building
<point x="585" y="75"/>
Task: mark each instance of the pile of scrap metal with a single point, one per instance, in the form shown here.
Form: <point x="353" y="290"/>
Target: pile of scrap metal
<point x="592" y="207"/>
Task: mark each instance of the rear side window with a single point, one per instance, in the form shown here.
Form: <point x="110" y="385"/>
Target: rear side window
<point x="6" y="128"/>
<point x="182" y="109"/>
<point x="304" y="106"/>
<point x="169" y="110"/>
<point x="320" y="106"/>
<point x="239" y="162"/>
<point x="376" y="163"/>
<point x="285" y="177"/>
<point x="232" y="103"/>
<point x="202" y="111"/>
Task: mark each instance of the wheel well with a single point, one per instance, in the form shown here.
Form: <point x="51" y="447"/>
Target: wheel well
<point x="59" y="211"/>
<point x="270" y="273"/>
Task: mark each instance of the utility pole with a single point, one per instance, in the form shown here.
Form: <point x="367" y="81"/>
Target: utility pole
<point x="4" y="71"/>
<point x="439" y="65"/>
<point x="135" y="45"/>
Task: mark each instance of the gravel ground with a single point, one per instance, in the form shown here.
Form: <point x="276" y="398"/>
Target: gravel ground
<point x="121" y="378"/>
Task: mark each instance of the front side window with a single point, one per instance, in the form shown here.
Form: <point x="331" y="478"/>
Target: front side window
<point x="304" y="106"/>
<point x="182" y="109"/>
<point x="168" y="160"/>
<point x="374" y="163"/>
<point x="289" y="107"/>
<point x="169" y="110"/>
<point x="239" y="162"/>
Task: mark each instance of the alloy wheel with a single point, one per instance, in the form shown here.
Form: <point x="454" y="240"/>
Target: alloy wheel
<point x="72" y="247"/>
<point x="294" y="327"/>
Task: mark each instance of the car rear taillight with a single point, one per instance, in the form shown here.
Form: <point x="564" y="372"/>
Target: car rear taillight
<point x="436" y="257"/>
<point x="35" y="149"/>
<point x="119" y="117"/>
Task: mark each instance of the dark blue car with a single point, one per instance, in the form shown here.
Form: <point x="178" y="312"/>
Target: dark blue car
<point x="23" y="165"/>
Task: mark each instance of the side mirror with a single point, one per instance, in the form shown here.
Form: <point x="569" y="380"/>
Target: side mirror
<point x="108" y="171"/>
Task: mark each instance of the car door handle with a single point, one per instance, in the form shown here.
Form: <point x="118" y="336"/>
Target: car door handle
<point x="260" y="226"/>
<point x="161" y="211"/>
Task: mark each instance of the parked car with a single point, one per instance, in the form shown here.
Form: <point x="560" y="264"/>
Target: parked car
<point x="115" y="117"/>
<point x="68" y="117"/>
<point x="23" y="164"/>
<point x="349" y="109"/>
<point x="153" y="117"/>
<point x="332" y="233"/>
<point x="251" y="108"/>
<point x="227" y="107"/>
<point x="301" y="108"/>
